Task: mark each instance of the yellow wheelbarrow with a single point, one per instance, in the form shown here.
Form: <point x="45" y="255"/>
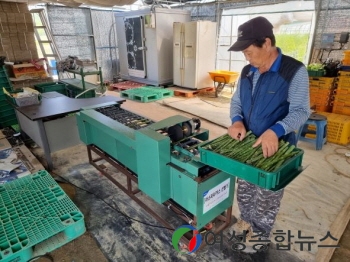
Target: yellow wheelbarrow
<point x="222" y="78"/>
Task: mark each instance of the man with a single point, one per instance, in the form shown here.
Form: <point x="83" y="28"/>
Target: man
<point x="271" y="100"/>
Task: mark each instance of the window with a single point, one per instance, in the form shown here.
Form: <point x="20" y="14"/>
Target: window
<point x="293" y="27"/>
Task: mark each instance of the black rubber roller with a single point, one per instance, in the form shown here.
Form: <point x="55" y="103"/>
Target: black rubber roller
<point x="175" y="133"/>
<point x="187" y="129"/>
<point x="197" y="123"/>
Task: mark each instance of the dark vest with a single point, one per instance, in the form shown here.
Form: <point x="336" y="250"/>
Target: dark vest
<point x="269" y="103"/>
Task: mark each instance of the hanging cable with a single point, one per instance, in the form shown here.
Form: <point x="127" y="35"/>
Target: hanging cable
<point x="128" y="218"/>
<point x="47" y="255"/>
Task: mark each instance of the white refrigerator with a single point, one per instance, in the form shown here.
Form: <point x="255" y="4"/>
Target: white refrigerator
<point x="194" y="53"/>
<point x="145" y="44"/>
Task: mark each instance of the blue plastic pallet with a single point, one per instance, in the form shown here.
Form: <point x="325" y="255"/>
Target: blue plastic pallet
<point x="36" y="217"/>
<point x="146" y="94"/>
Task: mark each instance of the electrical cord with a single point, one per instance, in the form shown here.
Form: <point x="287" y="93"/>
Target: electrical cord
<point x="190" y="221"/>
<point x="47" y="255"/>
<point x="128" y="218"/>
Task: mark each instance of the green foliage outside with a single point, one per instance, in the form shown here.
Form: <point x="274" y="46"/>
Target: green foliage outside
<point x="294" y="45"/>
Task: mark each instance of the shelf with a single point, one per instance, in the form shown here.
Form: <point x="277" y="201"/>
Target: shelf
<point x="81" y="84"/>
<point x="78" y="83"/>
<point x="83" y="73"/>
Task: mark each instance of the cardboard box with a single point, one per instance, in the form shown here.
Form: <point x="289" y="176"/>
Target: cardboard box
<point x="4" y="35"/>
<point x="12" y="27"/>
<point x="3" y="17"/>
<point x="6" y="7"/>
<point x="28" y="18"/>
<point x="29" y="70"/>
<point x="2" y="135"/>
<point x="8" y="54"/>
<point x="30" y="27"/>
<point x="5" y="39"/>
<point x="19" y="84"/>
<point x="21" y="27"/>
<point x="23" y="45"/>
<point x="26" y="55"/>
<point x="7" y="48"/>
<point x="22" y="7"/>
<point x="4" y="143"/>
<point x="4" y="27"/>
<point x="20" y="18"/>
<point x="11" y="18"/>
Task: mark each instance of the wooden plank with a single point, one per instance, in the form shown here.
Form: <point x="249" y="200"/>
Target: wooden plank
<point x="192" y="93"/>
<point x="2" y="135"/>
<point x="337" y="229"/>
<point x="125" y="85"/>
<point x="31" y="162"/>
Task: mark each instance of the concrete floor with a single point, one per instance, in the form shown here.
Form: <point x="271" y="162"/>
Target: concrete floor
<point x="91" y="246"/>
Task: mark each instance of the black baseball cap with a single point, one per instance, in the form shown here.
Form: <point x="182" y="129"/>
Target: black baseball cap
<point x="250" y="31"/>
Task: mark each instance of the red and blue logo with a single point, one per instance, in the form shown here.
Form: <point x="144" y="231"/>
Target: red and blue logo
<point x="194" y="243"/>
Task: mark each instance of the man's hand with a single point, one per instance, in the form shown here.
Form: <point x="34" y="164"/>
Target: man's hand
<point x="269" y="143"/>
<point x="237" y="131"/>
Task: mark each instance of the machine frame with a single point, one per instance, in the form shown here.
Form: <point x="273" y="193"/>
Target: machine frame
<point x="220" y="223"/>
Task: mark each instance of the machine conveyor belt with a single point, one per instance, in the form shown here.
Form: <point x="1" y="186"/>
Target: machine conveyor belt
<point x="125" y="117"/>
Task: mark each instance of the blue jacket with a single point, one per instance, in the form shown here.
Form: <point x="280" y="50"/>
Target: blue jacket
<point x="269" y="102"/>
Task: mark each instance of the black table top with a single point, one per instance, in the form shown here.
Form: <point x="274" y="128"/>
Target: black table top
<point x="55" y="104"/>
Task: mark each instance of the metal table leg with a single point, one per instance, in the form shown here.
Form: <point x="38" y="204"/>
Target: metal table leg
<point x="46" y="146"/>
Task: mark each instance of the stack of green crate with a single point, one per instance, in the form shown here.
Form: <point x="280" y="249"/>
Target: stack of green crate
<point x="72" y="92"/>
<point x="50" y="87"/>
<point x="7" y="112"/>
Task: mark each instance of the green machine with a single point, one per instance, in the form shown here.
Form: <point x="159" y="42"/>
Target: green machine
<point x="163" y="158"/>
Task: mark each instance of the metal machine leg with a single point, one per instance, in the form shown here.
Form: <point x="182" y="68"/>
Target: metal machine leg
<point x="222" y="221"/>
<point x="129" y="176"/>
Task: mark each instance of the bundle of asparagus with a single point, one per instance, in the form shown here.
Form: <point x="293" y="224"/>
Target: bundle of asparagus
<point x="244" y="152"/>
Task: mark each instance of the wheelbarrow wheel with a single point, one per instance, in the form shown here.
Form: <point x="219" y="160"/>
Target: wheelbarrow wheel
<point x="219" y="88"/>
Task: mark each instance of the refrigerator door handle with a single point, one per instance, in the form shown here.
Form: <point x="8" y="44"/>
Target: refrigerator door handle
<point x="182" y="58"/>
<point x="182" y="40"/>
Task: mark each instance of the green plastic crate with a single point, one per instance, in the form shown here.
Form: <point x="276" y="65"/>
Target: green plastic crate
<point x="7" y="111"/>
<point x="36" y="217"/>
<point x="8" y="116"/>
<point x="273" y="181"/>
<point x="72" y="92"/>
<point x="320" y="72"/>
<point x="16" y="128"/>
<point x="4" y="79"/>
<point x="9" y="122"/>
<point x="3" y="102"/>
<point x="8" y="89"/>
<point x="51" y="87"/>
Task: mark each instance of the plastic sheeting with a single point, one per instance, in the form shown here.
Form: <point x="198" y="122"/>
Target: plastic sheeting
<point x="77" y="3"/>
